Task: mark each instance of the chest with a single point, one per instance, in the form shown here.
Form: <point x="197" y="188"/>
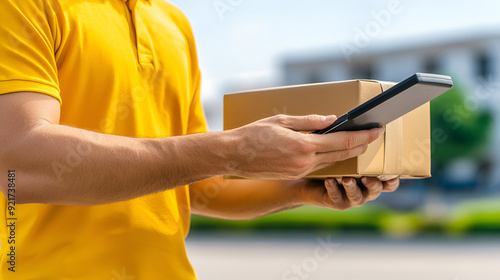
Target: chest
<point x="129" y="65"/>
<point x="108" y="40"/>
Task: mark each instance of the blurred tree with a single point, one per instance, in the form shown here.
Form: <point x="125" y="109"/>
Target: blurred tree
<point x="464" y="127"/>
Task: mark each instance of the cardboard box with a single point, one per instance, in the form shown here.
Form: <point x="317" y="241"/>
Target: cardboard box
<point x="404" y="150"/>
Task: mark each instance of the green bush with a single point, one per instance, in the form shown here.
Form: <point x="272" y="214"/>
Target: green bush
<point x="367" y="218"/>
<point x="482" y="216"/>
<point x="479" y="216"/>
<point x="465" y="128"/>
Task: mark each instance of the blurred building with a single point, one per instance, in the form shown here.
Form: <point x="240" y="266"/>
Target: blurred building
<point x="473" y="60"/>
<point x="469" y="59"/>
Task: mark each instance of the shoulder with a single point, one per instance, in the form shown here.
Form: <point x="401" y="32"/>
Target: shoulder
<point x="34" y="11"/>
<point x="172" y="10"/>
<point x="30" y="6"/>
<point x="177" y="16"/>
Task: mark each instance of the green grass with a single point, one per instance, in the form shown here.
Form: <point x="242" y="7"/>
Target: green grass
<point x="368" y="218"/>
<point x="480" y="216"/>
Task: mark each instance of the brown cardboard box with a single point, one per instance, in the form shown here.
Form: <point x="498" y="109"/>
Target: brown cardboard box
<point x="404" y="149"/>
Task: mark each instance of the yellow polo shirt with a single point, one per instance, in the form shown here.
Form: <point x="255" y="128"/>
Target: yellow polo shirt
<point x="118" y="67"/>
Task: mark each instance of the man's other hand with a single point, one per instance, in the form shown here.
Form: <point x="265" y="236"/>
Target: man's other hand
<point x="348" y="194"/>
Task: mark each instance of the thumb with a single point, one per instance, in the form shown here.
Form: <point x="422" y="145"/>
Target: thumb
<point x="308" y="123"/>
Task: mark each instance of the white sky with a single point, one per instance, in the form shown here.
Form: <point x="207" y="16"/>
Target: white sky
<point x="255" y="35"/>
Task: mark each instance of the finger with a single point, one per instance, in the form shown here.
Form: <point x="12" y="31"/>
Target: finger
<point x="353" y="191"/>
<point x="304" y="123"/>
<point x="391" y="185"/>
<point x="336" y="195"/>
<point x="374" y="187"/>
<point x="344" y="140"/>
<point x="335" y="156"/>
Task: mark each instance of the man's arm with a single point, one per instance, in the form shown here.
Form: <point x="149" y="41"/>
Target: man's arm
<point x="249" y="199"/>
<point x="65" y="165"/>
<point x="58" y="164"/>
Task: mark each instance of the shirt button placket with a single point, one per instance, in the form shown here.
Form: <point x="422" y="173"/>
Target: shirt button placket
<point x="144" y="48"/>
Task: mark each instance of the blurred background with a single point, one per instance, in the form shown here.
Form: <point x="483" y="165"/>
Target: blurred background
<point x="444" y="227"/>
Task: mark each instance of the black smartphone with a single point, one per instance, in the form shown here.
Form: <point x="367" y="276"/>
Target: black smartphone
<point x="393" y="103"/>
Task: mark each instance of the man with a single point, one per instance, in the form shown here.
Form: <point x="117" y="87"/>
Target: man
<point x="103" y="131"/>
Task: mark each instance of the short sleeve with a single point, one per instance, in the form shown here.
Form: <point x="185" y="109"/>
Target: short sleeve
<point x="197" y="121"/>
<point x="27" y="47"/>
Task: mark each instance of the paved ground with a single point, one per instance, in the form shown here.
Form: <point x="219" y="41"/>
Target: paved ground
<point x="323" y="256"/>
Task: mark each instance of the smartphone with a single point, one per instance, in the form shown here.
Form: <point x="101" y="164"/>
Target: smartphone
<point x="393" y="103"/>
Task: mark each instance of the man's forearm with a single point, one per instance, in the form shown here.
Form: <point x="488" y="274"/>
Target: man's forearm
<point x="248" y="199"/>
<point x="63" y="165"/>
<point x="244" y="199"/>
<point x="58" y="164"/>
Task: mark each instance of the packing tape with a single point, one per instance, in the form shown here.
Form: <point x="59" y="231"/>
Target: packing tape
<point x="393" y="145"/>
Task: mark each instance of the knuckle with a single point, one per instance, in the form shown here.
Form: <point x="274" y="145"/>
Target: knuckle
<point x="305" y="147"/>
<point x="312" y="118"/>
<point x="351" y="141"/>
<point x="332" y="185"/>
<point x="372" y="187"/>
<point x="354" y="152"/>
<point x="393" y="188"/>
<point x="345" y="154"/>
<point x="375" y="195"/>
<point x="303" y="166"/>
<point x="363" y="148"/>
<point x="299" y="166"/>
<point x="375" y="190"/>
<point x="357" y="199"/>
<point x="281" y="119"/>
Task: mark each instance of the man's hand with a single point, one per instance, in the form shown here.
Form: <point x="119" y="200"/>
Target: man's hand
<point x="73" y="166"/>
<point x="274" y="147"/>
<point x="331" y="194"/>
